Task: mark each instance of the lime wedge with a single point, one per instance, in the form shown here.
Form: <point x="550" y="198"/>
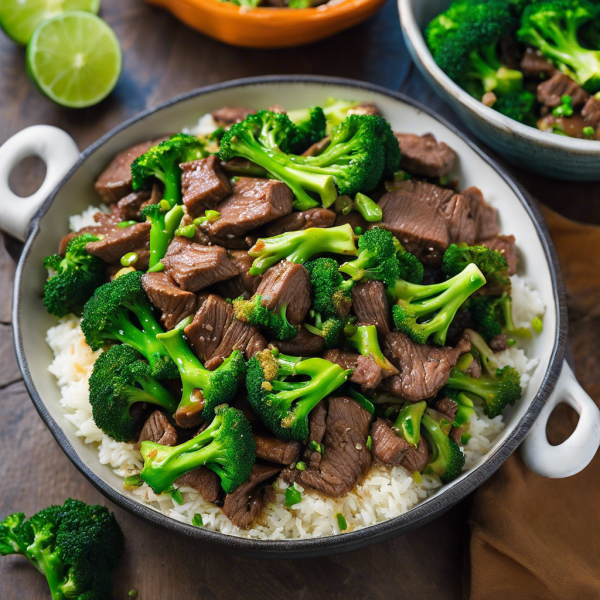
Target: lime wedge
<point x="19" y="18"/>
<point x="74" y="59"/>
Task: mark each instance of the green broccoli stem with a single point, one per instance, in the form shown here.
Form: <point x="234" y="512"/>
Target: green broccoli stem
<point x="171" y="178"/>
<point x="408" y="422"/>
<point x="164" y="464"/>
<point x="300" y="246"/>
<point x="464" y="411"/>
<point x="324" y="379"/>
<point x="486" y="355"/>
<point x="283" y="169"/>
<point x="493" y="75"/>
<point x="50" y="564"/>
<point x="153" y="392"/>
<point x="436" y="440"/>
<point x="485" y="387"/>
<point x="162" y="231"/>
<point x="365" y="341"/>
<point x="193" y="373"/>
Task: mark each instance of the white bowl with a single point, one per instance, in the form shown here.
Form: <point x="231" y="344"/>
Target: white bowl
<point x="529" y="148"/>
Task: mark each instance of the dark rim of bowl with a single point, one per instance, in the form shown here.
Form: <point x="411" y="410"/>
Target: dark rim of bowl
<point x="415" y="517"/>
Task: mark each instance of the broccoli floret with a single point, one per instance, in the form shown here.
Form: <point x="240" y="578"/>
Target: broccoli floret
<point x="335" y="111"/>
<point x="331" y="329"/>
<point x="519" y="106"/>
<point x="310" y="124"/>
<point x="72" y="279"/>
<point x="376" y="258"/>
<point x="390" y="145"/>
<point x="353" y="162"/>
<point x="496" y="392"/>
<point x="553" y="27"/>
<point x="464" y="43"/>
<point x="76" y="546"/>
<point x="203" y="390"/>
<point x="254" y="313"/>
<point x="300" y="246"/>
<point x="408" y="422"/>
<point x="119" y="380"/>
<point x="226" y="447"/>
<point x="411" y="268"/>
<point x="331" y="295"/>
<point x="109" y="315"/>
<point x="364" y="340"/>
<point x="447" y="457"/>
<point x="282" y="405"/>
<point x="164" y="221"/>
<point x="490" y="262"/>
<point x="421" y="311"/>
<point x="493" y="315"/>
<point x="162" y="162"/>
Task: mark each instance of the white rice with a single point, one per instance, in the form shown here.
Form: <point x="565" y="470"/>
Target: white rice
<point x="386" y="492"/>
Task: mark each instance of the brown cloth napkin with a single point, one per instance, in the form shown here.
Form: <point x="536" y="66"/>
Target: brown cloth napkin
<point x="536" y="538"/>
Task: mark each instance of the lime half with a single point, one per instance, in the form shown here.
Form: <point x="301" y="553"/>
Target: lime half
<point x="74" y="59"/>
<point x="19" y="18"/>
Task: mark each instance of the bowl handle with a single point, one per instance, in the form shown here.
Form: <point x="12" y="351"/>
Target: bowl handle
<point x="574" y="454"/>
<point x="56" y="148"/>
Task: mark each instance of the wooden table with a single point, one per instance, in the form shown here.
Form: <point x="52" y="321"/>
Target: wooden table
<point x="163" y="58"/>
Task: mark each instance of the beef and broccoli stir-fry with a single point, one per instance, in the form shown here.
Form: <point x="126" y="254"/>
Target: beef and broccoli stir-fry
<point x="295" y="295"/>
<point x="535" y="61"/>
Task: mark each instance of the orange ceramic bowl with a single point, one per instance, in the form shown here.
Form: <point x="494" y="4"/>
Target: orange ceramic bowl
<point x="269" y="27"/>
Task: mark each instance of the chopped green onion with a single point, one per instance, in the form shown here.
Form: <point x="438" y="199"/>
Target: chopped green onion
<point x="156" y="268"/>
<point x="566" y="99"/>
<point x="464" y="362"/>
<point x="177" y="497"/>
<point x="511" y="342"/>
<point x="401" y="176"/>
<point x="389" y="412"/>
<point x="369" y="442"/>
<point x="235" y="179"/>
<point x="129" y="259"/>
<point x="358" y="230"/>
<point x="367" y="208"/>
<point x="343" y="205"/>
<point x="187" y="231"/>
<point x="537" y="325"/>
<point x="132" y="593"/>
<point x="210" y="216"/>
<point x="417" y="477"/>
<point x="464" y="438"/>
<point x="588" y="131"/>
<point x="292" y="496"/>
<point x="301" y="466"/>
<point x="197" y="520"/>
<point x="444" y="180"/>
<point x="316" y="447"/>
<point x="164" y="205"/>
<point x="124" y="224"/>
<point x="343" y="525"/>
<point x="133" y="481"/>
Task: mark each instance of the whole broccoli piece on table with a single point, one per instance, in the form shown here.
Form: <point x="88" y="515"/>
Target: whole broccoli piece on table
<point x="72" y="279"/>
<point x="254" y="313"/>
<point x="464" y="43"/>
<point x="111" y="315"/>
<point x="164" y="221"/>
<point x="553" y="26"/>
<point x="300" y="246"/>
<point x="203" y="390"/>
<point x="353" y="162"/>
<point x="76" y="546"/>
<point x="310" y="125"/>
<point x="226" y="447"/>
<point x="283" y="405"/>
<point x="490" y="262"/>
<point x="493" y="315"/>
<point x="119" y="380"/>
<point x="447" y="459"/>
<point x="496" y="392"/>
<point x="408" y="422"/>
<point x="162" y="162"/>
<point x="519" y="106"/>
<point x="421" y="311"/>
<point x="365" y="341"/>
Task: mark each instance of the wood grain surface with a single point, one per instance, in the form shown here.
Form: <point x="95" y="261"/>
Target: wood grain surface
<point x="163" y="58"/>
